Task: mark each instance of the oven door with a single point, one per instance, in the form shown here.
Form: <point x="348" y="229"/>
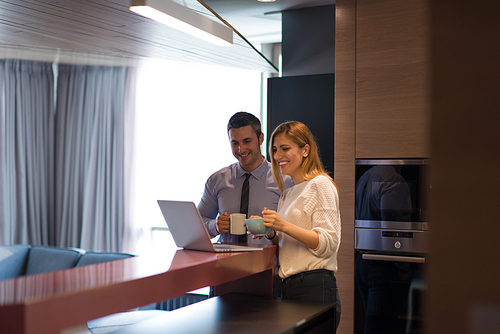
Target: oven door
<point x="389" y="268"/>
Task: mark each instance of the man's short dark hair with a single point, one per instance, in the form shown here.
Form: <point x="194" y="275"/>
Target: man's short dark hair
<point x="241" y="119"/>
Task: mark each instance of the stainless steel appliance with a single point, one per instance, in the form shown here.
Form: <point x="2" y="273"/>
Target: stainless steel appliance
<point x="391" y="233"/>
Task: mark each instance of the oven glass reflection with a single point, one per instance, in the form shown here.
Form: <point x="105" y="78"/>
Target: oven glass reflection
<point x="391" y="232"/>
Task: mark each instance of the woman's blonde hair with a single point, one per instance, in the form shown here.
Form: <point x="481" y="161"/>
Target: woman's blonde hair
<point x="300" y="134"/>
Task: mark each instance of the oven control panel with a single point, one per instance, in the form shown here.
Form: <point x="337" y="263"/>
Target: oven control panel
<point x="397" y="234"/>
<point x="391" y="240"/>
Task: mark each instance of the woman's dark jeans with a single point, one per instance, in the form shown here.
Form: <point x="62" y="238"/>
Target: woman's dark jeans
<point x="315" y="285"/>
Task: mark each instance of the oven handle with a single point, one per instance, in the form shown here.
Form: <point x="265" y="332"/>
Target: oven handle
<point x="393" y="258"/>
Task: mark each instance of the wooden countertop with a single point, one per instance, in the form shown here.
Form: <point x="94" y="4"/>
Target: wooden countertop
<point x="48" y="303"/>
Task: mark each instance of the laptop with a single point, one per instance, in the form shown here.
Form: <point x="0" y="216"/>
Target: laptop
<point x="188" y="230"/>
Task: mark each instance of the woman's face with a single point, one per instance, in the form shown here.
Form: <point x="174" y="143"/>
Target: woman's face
<point x="289" y="156"/>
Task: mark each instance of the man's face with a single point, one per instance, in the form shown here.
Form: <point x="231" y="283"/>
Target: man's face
<point x="246" y="147"/>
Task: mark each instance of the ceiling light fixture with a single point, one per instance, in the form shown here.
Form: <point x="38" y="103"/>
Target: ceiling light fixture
<point x="184" y="19"/>
<point x="266" y="0"/>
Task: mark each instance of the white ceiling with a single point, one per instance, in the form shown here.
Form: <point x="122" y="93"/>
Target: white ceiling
<point x="106" y="32"/>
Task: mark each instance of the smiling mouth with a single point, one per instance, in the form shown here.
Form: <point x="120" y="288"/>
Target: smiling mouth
<point x="283" y="163"/>
<point x="244" y="155"/>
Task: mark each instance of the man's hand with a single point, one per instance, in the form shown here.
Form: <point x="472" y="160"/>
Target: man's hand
<point x="224" y="222"/>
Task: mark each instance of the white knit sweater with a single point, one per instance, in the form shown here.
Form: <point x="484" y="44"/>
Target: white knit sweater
<point x="313" y="205"/>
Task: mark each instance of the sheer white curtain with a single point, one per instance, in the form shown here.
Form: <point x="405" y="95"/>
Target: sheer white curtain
<point x="26" y="152"/>
<point x="64" y="172"/>
<point x="92" y="120"/>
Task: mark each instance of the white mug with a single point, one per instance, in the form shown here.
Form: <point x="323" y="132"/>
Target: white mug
<point x="237" y="223"/>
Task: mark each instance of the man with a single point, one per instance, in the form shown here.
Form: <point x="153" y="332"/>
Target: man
<point x="383" y="194"/>
<point x="223" y="188"/>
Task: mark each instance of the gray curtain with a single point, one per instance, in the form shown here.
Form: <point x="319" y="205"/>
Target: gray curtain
<point x="26" y="152"/>
<point x="64" y="173"/>
<point x="91" y="122"/>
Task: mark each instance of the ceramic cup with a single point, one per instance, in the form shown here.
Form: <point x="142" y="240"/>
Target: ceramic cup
<point x="256" y="227"/>
<point x="237" y="224"/>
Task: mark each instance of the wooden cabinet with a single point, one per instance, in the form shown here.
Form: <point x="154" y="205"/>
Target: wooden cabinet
<point x="392" y="79"/>
<point x="381" y="103"/>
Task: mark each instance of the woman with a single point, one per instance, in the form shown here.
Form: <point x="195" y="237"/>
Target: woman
<point x="306" y="226"/>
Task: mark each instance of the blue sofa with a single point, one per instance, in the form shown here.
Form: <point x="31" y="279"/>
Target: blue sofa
<point x="19" y="260"/>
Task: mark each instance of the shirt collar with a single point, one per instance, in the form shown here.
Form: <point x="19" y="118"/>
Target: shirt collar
<point x="257" y="172"/>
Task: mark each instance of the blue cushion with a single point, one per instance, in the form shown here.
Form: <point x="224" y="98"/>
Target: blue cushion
<point x="13" y="259"/>
<point x="99" y="257"/>
<point x="43" y="259"/>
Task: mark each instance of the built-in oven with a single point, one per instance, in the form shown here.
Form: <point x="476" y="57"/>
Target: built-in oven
<point x="391" y="235"/>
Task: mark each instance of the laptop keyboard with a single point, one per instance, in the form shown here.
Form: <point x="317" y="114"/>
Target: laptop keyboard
<point x="224" y="247"/>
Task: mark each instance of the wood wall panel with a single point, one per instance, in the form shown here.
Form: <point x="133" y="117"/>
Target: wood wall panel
<point x="464" y="296"/>
<point x="345" y="111"/>
<point x="392" y="66"/>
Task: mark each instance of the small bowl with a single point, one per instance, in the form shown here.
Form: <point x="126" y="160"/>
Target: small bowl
<point x="257" y="228"/>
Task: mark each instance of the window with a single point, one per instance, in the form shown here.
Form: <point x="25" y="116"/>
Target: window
<point x="180" y="135"/>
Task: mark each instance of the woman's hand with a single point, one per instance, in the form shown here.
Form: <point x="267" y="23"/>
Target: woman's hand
<point x="273" y="220"/>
